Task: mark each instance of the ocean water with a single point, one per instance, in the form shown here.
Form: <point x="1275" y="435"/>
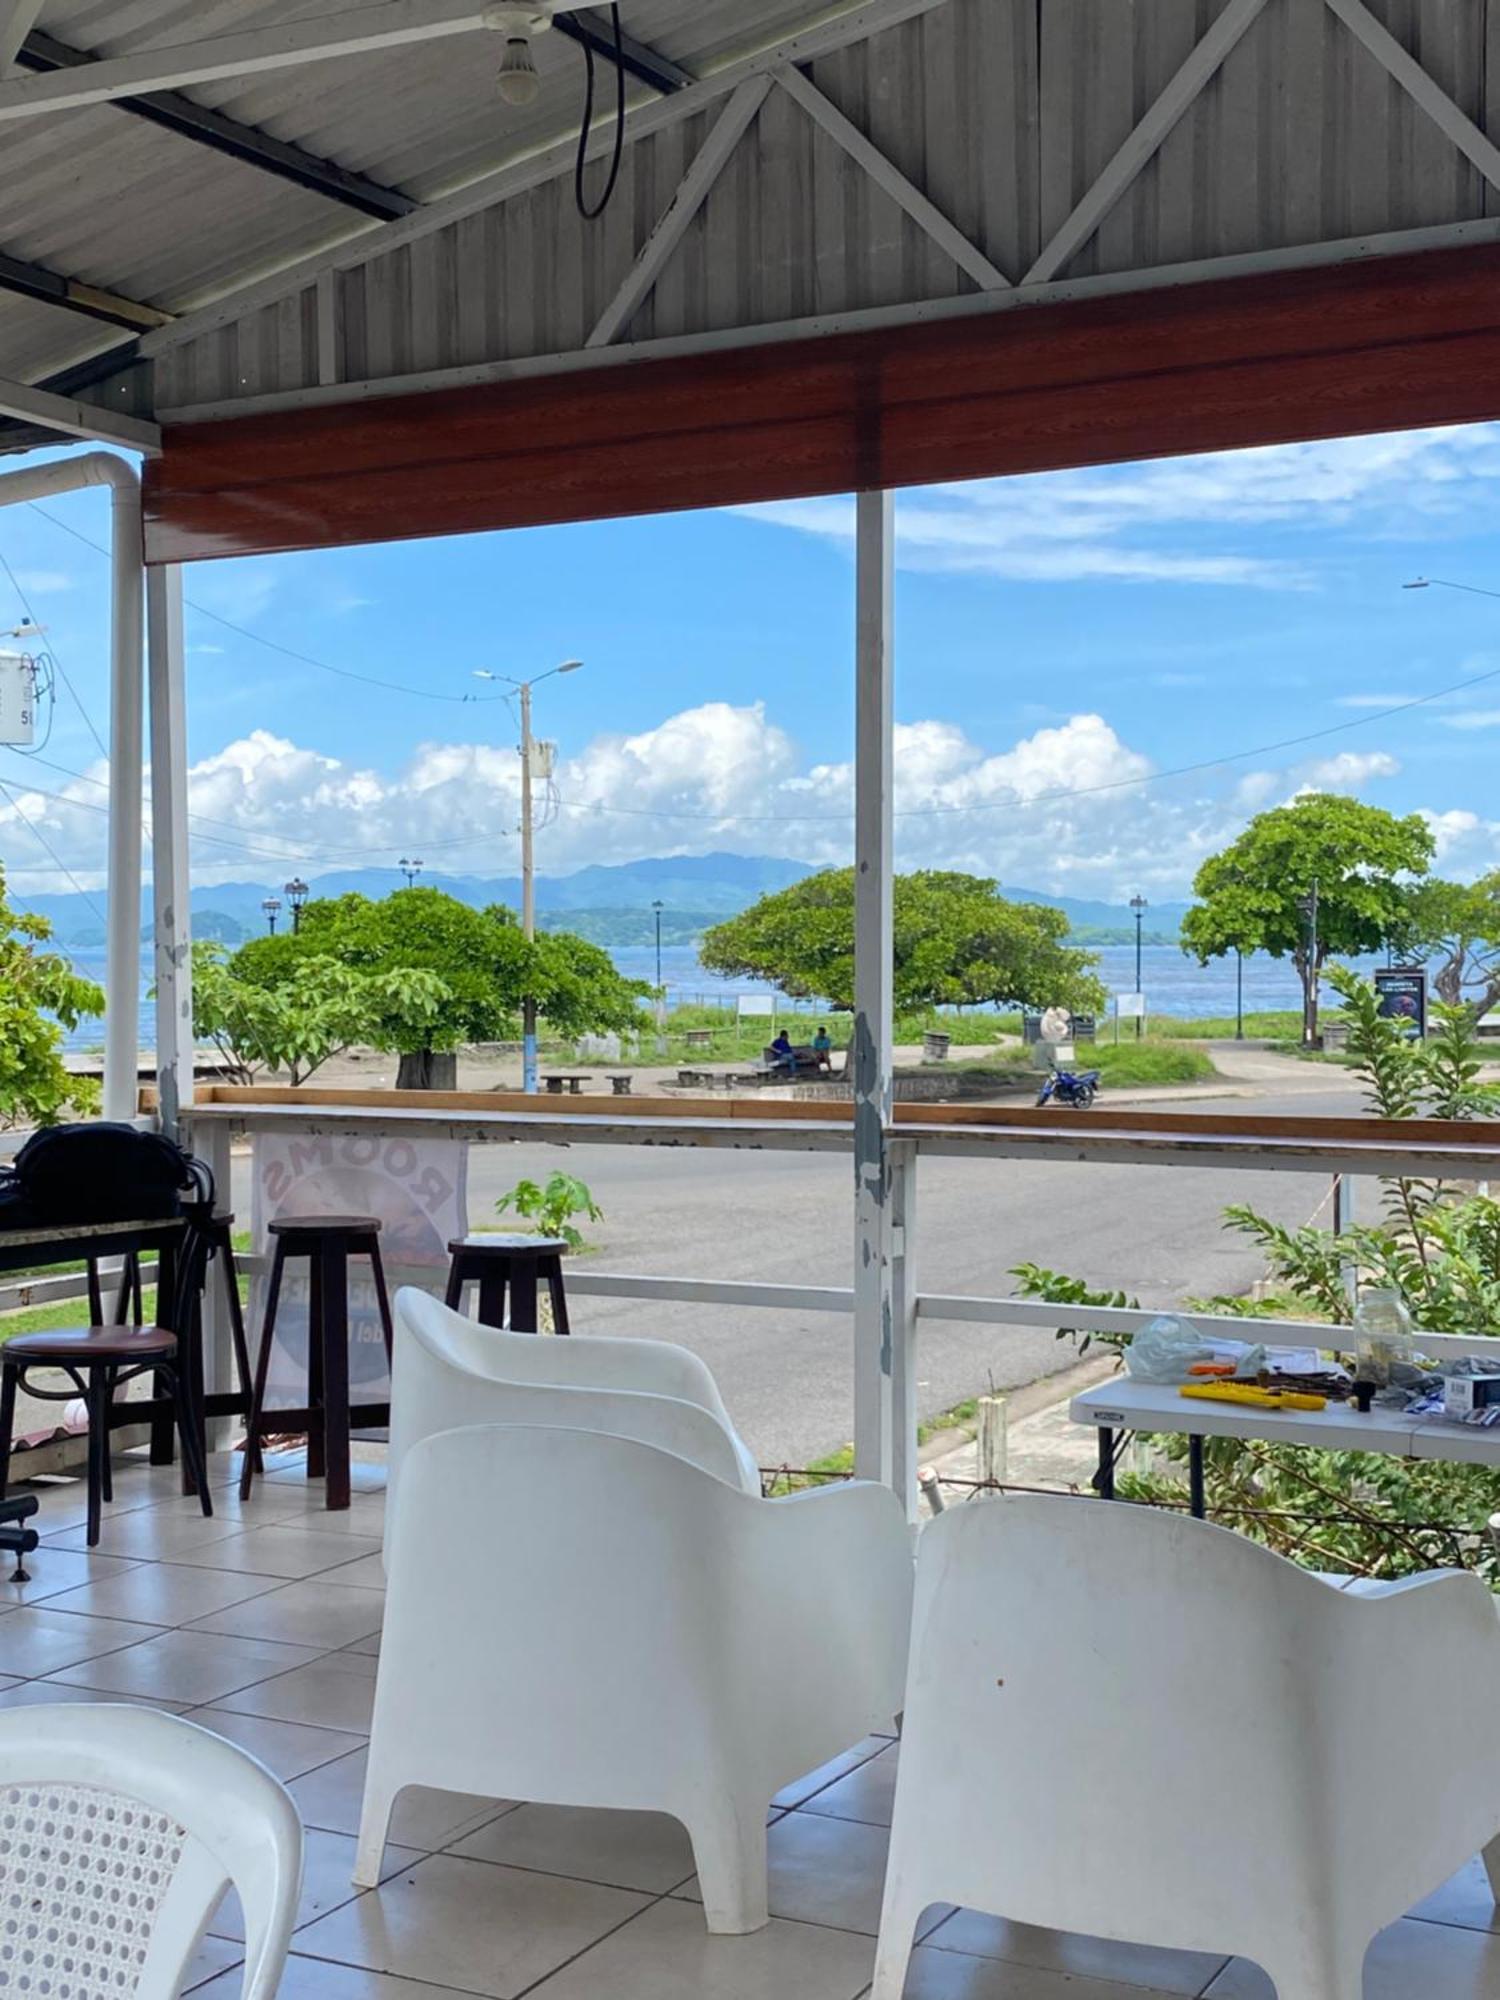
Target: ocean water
<point x="1173" y="984"/>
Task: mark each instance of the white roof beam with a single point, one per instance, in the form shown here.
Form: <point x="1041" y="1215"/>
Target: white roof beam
<point x="1415" y="81"/>
<point x="692" y="191"/>
<point x="17" y="19"/>
<point x="889" y="177"/>
<point x="388" y="24"/>
<point x="834" y="32"/>
<point x="1195" y="74"/>
<point x="81" y="420"/>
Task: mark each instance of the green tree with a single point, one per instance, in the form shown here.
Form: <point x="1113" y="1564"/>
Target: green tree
<point x="958" y="942"/>
<point x="1457" y="923"/>
<point x="317" y="1009"/>
<point x="1357" y="859"/>
<point x="483" y="965"/>
<point x="40" y="996"/>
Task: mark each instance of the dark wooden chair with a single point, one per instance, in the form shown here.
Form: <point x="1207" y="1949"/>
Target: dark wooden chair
<point x="517" y="1264"/>
<point x="98" y="1360"/>
<point x="328" y="1242"/>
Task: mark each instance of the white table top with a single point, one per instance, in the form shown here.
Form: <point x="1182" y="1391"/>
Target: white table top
<point x="1147" y="1406"/>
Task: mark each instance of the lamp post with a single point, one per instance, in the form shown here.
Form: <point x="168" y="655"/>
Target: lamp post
<point x="272" y="907"/>
<point x="1308" y="905"/>
<point x="661" y="998"/>
<point x="410" y="869"/>
<point x="296" y="894"/>
<point x="1140" y="906"/>
<point x="528" y="873"/>
<point x="1239" y="994"/>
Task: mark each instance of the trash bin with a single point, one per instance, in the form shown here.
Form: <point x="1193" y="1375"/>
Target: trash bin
<point x="935" y="1047"/>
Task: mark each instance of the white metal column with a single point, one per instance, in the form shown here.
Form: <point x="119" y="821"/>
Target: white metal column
<point x="884" y="1173"/>
<point x="172" y="923"/>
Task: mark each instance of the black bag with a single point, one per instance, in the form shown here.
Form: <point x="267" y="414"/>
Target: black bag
<point x="100" y="1172"/>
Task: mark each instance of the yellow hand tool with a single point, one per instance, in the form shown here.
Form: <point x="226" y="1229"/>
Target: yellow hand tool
<point x="1251" y="1393"/>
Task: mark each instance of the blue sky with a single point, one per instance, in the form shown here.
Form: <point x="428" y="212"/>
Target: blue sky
<point x="1061" y="639"/>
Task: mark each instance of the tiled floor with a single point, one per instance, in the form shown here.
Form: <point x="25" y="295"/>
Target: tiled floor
<point x="263" y="1624"/>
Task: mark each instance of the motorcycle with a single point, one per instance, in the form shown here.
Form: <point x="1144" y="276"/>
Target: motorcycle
<point x="1069" y="1087"/>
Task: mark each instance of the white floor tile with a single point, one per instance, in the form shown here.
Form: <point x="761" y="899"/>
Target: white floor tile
<point x="195" y="1667"/>
<point x="287" y="1749"/>
<point x="333" y="1797"/>
<point x="36" y="1641"/>
<point x="486" y="1930"/>
<point x="319" y="1613"/>
<point x="625" y="1850"/>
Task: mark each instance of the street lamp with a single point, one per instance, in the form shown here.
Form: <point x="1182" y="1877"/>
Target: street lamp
<point x="1239" y="994"/>
<point x="661" y="998"/>
<point x="1140" y="906"/>
<point x="410" y="869"/>
<point x="296" y="895"/>
<point x="528" y="872"/>
<point x="1308" y="905"/>
<point x="272" y="907"/>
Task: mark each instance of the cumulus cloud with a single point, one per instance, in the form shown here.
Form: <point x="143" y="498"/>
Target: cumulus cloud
<point x="1182" y="520"/>
<point x="1071" y="806"/>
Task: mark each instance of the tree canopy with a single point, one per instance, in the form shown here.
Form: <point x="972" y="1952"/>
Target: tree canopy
<point x="418" y="972"/>
<point x="1458" y="923"/>
<point x="958" y="942"/>
<point x="1361" y="860"/>
<point x="40" y="996"/>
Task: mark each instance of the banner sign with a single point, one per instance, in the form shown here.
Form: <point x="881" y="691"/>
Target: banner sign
<point x="415" y="1187"/>
<point x="1402" y="992"/>
<point x="1130" y="1006"/>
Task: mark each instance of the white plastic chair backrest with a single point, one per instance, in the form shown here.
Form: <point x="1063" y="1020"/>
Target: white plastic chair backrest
<point x="120" y="1830"/>
<point x="1178" y="1703"/>
<point x="450" y="1370"/>
<point x="628" y="1613"/>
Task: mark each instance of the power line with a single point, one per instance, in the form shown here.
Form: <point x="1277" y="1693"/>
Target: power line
<point x="275" y="645"/>
<point x="88" y="720"/>
<point x="62" y="865"/>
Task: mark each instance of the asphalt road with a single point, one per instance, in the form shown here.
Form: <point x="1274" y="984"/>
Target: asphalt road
<point x="788" y="1219"/>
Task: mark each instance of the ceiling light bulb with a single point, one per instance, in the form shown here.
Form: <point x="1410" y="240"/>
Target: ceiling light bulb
<point x="518" y="80"/>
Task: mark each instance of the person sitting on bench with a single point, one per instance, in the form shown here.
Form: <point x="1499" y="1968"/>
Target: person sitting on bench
<point x="782" y="1054"/>
<point x="822" y="1048"/>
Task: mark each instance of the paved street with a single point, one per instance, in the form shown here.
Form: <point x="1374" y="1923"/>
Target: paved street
<point x="788" y="1219"/>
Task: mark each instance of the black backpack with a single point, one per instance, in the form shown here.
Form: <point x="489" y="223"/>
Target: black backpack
<point x="67" y="1174"/>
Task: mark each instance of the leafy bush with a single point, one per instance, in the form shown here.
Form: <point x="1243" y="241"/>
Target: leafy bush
<point x="551" y="1205"/>
<point x="1439" y="1245"/>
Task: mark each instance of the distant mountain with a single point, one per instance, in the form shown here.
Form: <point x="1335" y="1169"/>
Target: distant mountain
<point x="610" y="903"/>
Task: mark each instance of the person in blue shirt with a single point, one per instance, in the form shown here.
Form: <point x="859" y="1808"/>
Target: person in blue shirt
<point x="822" y="1048"/>
<point x="783" y="1054"/>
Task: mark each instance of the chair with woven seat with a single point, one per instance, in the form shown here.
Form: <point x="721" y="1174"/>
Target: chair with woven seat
<point x="99" y="1360"/>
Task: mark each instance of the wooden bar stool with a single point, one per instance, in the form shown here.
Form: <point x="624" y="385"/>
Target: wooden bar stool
<point x="327" y="1242"/>
<point x="519" y="1263"/>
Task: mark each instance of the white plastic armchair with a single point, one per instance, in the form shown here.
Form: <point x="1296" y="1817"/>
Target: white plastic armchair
<point x="449" y="1370"/>
<point x="120" y="1830"/>
<point x="584" y="1620"/>
<point x="1138" y="1726"/>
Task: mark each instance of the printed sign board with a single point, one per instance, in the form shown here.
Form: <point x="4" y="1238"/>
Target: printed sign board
<point x="756" y="1006"/>
<point x="17" y="699"/>
<point x="1402" y="992"/>
<point x="1130" y="1006"/>
<point x="417" y="1189"/>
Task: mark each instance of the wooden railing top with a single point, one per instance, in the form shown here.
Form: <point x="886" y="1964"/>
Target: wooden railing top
<point x="1460" y="1150"/>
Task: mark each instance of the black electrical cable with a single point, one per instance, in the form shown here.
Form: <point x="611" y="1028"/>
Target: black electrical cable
<point x="585" y="130"/>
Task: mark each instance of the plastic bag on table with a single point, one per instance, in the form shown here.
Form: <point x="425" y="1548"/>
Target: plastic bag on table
<point x="1165" y="1350"/>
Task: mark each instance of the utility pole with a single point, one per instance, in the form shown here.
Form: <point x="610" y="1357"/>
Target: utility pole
<point x="1308" y="905"/>
<point x="528" y="894"/>
<point x="528" y="873"/>
<point x="1139" y="905"/>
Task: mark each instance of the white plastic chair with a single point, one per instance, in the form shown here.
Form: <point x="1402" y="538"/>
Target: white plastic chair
<point x="584" y="1620"/>
<point x="449" y="1370"/>
<point x="120" y="1830"/>
<point x="1135" y="1725"/>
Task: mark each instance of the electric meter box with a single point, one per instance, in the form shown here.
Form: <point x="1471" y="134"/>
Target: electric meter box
<point x="17" y="699"/>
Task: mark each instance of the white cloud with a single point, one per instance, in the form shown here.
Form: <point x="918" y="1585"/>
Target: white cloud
<point x="1349" y="771"/>
<point x="45" y="582"/>
<point x="1373" y="700"/>
<point x="1063" y="808"/>
<point x="1183" y="520"/>
<point x="1472" y="718"/>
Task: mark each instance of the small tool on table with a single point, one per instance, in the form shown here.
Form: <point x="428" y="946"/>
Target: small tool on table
<point x="1251" y="1394"/>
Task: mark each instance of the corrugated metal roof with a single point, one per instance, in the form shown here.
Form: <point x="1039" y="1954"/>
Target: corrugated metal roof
<point x="101" y="195"/>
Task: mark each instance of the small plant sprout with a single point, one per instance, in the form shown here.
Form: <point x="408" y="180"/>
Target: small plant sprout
<point x="550" y="1207"/>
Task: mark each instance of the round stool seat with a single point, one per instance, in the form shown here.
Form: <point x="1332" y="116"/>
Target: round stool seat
<point x="118" y="1344"/>
<point x="325" y="1225"/>
<point x="471" y="1247"/>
